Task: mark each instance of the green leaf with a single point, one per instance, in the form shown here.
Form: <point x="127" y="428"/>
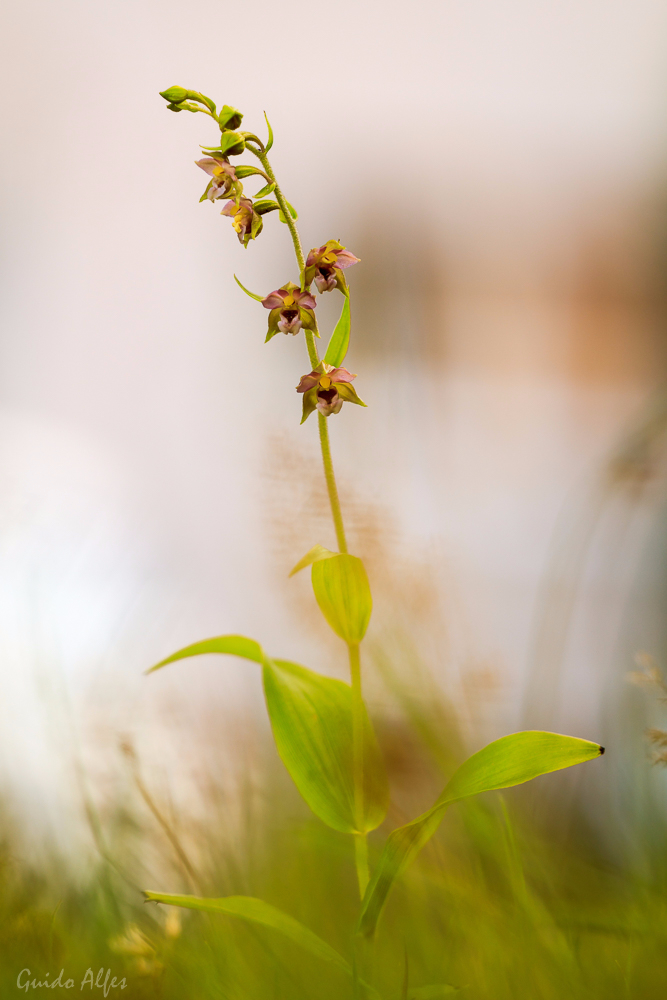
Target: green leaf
<point x="432" y="992"/>
<point x="316" y="553"/>
<point x="340" y="338"/>
<point x="267" y="189"/>
<point x="311" y="718"/>
<point x="270" y="142"/>
<point x="344" y="595"/>
<point x="509" y="761"/>
<point x="235" y="645"/>
<point x="256" y="911"/>
<point x="257" y="298"/>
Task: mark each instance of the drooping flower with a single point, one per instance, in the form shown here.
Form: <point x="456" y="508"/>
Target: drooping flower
<point x="290" y="308"/>
<point x="245" y="220"/>
<point x="325" y="266"/>
<point x="326" y="389"/>
<point x="223" y="178"/>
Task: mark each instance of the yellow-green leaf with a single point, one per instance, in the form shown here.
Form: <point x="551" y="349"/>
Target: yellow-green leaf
<point x="316" y="553"/>
<point x="256" y="911"/>
<point x="344" y="595"/>
<point x="508" y="761"/>
<point x="311" y="718"/>
<point x="234" y="645"/>
<point x="340" y="338"/>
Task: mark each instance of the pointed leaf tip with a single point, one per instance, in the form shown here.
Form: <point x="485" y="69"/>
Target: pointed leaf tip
<point x="317" y="552"/>
<point x="257" y="298"/>
<point x="233" y="645"/>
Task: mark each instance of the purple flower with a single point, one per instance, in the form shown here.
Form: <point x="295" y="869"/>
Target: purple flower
<point x="326" y="389"/>
<point x="223" y="178"/>
<point x="290" y="308"/>
<point x="325" y="266"/>
<point x="245" y="220"/>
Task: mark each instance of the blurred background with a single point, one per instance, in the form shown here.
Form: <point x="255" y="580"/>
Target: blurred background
<point x="501" y="171"/>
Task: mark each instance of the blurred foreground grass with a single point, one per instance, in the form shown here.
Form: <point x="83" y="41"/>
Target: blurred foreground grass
<point x="515" y="897"/>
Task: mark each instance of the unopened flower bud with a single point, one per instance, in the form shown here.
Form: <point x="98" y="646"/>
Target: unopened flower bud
<point x="229" y="117"/>
<point x="174" y="95"/>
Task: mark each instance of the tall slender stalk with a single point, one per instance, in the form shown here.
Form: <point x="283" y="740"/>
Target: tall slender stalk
<point x="360" y="841"/>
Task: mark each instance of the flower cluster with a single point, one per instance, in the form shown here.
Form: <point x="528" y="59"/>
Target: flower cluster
<point x="245" y="213"/>
<point x="292" y="306"/>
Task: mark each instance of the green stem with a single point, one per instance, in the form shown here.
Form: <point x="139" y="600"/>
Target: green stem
<point x="360" y="843"/>
<point x="298" y="250"/>
<point x="331" y="483"/>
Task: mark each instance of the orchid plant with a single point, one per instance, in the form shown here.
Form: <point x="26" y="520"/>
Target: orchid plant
<point x="321" y="726"/>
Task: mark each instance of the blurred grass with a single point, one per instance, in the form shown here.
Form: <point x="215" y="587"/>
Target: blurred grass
<point x="505" y="902"/>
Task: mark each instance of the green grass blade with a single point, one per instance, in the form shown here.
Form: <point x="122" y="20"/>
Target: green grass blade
<point x="311" y="718"/>
<point x="234" y="645"/>
<point x="340" y="338"/>
<point x="511" y="760"/>
<point x="256" y="911"/>
<point x="343" y="593"/>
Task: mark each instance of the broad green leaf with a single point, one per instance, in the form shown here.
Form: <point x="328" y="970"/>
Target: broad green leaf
<point x="235" y="645"/>
<point x="509" y="761"/>
<point x="432" y="992"/>
<point x="270" y="142"/>
<point x="316" y="553"/>
<point x="340" y="338"/>
<point x="344" y="595"/>
<point x="311" y="718"/>
<point x="256" y="911"/>
<point x="257" y="298"/>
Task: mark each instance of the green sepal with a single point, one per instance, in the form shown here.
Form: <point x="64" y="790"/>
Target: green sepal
<point x="229" y="118"/>
<point x="267" y="189"/>
<point x="348" y="393"/>
<point x="307" y="317"/>
<point x="262" y="207"/>
<point x="205" y="194"/>
<point x="255" y="229"/>
<point x="343" y="594"/>
<point x="257" y="298"/>
<point x="340" y="338"/>
<point x="314" y="555"/>
<point x="270" y="141"/>
<point x="309" y="403"/>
